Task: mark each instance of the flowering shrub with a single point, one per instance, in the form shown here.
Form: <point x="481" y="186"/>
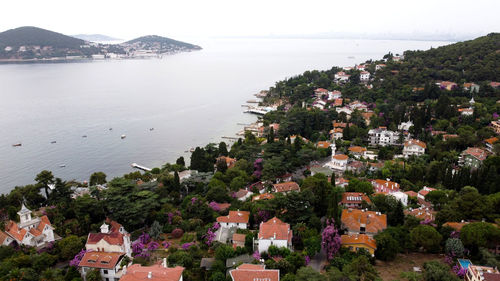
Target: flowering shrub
<point x="256" y="255"/>
<point x="262" y="216"/>
<point x="330" y="239"/>
<point x="153" y="246"/>
<point x="186" y="246"/>
<point x="194" y="200"/>
<point x="166" y="244"/>
<point x="214" y="206"/>
<point x="307" y="259"/>
<point x="459" y="271"/>
<point x="78" y="258"/>
<point x="257" y="165"/>
<point x="177" y="233"/>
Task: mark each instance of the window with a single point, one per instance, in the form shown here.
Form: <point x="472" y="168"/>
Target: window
<point x="105" y="271"/>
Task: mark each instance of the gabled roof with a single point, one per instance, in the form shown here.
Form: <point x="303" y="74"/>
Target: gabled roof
<point x="374" y="222"/>
<point x="112" y="238"/>
<point x="286" y="186"/>
<point x="3" y="237"/>
<point x="254" y="273"/>
<point x="354" y="198"/>
<point x="275" y="229"/>
<point x="137" y="272"/>
<point x="475" y="152"/>
<point x="491" y="140"/>
<point x="14" y="231"/>
<point x="241" y="193"/>
<point x="105" y="260"/>
<point x="263" y="196"/>
<point x="361" y="239"/>
<point x="235" y="217"/>
<point x="411" y="193"/>
<point x="455" y="225"/>
<point x="323" y="144"/>
<point x="415" y="142"/>
<point x="390" y="185"/>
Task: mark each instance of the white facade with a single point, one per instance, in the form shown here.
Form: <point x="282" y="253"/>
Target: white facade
<point x="400" y="196"/>
<point x="405" y="126"/>
<point x="338" y="162"/>
<point x="413" y="149"/>
<point x="106" y="274"/>
<point x="33" y="232"/>
<point x="364" y="76"/>
<point x="265" y="243"/>
<point x="383" y="137"/>
<point x="341" y="76"/>
<point x="233" y="224"/>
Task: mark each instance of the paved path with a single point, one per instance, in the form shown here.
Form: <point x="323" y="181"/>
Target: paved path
<point x="318" y="261"/>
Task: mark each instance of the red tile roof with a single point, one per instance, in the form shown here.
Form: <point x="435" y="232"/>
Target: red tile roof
<point x="385" y="186"/>
<point x="112" y="238"/>
<point x="357" y="149"/>
<point x="354" y="198"/>
<point x="3" y="237"/>
<point x="455" y="225"/>
<point x="415" y="142"/>
<point x="361" y="239"/>
<point x="239" y="237"/>
<point x="13" y="230"/>
<point x="276" y="229"/>
<point x="411" y="193"/>
<point x="286" y="186"/>
<point x="323" y="144"/>
<point x="352" y="220"/>
<point x="263" y="196"/>
<point x="252" y="273"/>
<point x="136" y="272"/>
<point x="105" y="260"/>
<point x="321" y="90"/>
<point x="235" y="217"/>
<point x="341" y="157"/>
<point x="421" y="213"/>
<point x="491" y="140"/>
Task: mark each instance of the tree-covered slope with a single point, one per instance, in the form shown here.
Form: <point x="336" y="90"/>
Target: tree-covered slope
<point x="163" y="41"/>
<point x="34" y="36"/>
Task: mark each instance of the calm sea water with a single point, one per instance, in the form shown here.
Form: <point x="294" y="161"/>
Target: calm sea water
<point x="189" y="99"/>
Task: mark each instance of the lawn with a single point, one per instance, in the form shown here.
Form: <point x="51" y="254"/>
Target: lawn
<point x="391" y="270"/>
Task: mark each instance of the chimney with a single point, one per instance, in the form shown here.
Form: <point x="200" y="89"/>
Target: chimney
<point x="104" y="228"/>
<point x="150" y="275"/>
<point x="164" y="263"/>
<point x="275" y="235"/>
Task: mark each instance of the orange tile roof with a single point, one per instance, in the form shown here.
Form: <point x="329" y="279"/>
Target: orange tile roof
<point x="263" y="196"/>
<point x="13" y="230"/>
<point x="136" y="272"/>
<point x="421" y="213"/>
<point x="239" y="237"/>
<point x="383" y="185"/>
<point x="252" y="266"/>
<point x="455" y="225"/>
<point x="235" y="217"/>
<point x="411" y="193"/>
<point x="475" y="152"/>
<point x="321" y="90"/>
<point x="286" y="186"/>
<point x="337" y="102"/>
<point x="353" y="218"/>
<point x="276" y="229"/>
<point x="357" y="149"/>
<point x="323" y="144"/>
<point x="415" y="142"/>
<point x="106" y="260"/>
<point x="112" y="238"/>
<point x="3" y="237"/>
<point x="245" y="273"/>
<point x="354" y="197"/>
<point x="491" y="140"/>
<point x="361" y="239"/>
<point x="341" y="157"/>
<point x="338" y="130"/>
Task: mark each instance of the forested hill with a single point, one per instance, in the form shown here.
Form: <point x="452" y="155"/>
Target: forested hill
<point x="34" y="36"/>
<point x="473" y="60"/>
<point x="152" y="40"/>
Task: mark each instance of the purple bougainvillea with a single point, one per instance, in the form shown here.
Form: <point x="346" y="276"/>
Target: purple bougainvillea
<point x="307" y="259"/>
<point x="256" y="255"/>
<point x="194" y="200"/>
<point x="210" y="235"/>
<point x="257" y="165"/>
<point x="214" y="206"/>
<point x="165" y="244"/>
<point x="186" y="246"/>
<point x="459" y="271"/>
<point x="78" y="258"/>
<point x="495" y="115"/>
<point x="330" y="239"/>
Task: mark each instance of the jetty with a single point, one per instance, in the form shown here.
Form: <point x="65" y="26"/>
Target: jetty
<point x="137" y="166"/>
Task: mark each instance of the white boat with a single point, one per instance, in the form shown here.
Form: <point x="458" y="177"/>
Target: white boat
<point x="123" y="136"/>
<point x="62" y="165"/>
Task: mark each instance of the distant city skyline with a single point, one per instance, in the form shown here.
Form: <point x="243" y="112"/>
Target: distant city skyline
<point x="128" y="19"/>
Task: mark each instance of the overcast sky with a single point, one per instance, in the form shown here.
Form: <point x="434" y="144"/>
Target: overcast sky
<point x="180" y="19"/>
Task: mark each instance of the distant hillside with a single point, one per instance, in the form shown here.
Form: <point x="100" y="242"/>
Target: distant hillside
<point x="95" y="37"/>
<point x="164" y="42"/>
<point x="34" y="36"/>
<point x="473" y="60"/>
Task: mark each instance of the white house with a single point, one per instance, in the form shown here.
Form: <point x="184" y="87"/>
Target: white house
<point x="364" y="76"/>
<point x="108" y="264"/>
<point x="238" y="219"/>
<point x="401" y="197"/>
<point x="424" y="191"/>
<point x="33" y="232"/>
<point x="274" y="232"/>
<point x="156" y="272"/>
<point x="5" y="239"/>
<point x="379" y="66"/>
<point x="338" y="162"/>
<point x="320" y="92"/>
<point x="383" y="137"/>
<point x="254" y="272"/>
<point x="243" y="194"/>
<point x="466" y="111"/>
<point x="347" y="110"/>
<point x="115" y="239"/>
<point x="414" y="147"/>
<point x="405" y="126"/>
<point x="334" y="95"/>
<point x="342" y="76"/>
<point x="320" y="104"/>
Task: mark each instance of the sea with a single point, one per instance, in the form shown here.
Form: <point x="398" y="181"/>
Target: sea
<point x="70" y="116"/>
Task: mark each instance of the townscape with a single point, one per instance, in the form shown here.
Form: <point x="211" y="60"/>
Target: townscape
<point x="385" y="170"/>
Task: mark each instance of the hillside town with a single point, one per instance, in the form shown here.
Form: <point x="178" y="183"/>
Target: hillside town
<point x="369" y="172"/>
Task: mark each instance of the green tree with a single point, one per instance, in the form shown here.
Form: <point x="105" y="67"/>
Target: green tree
<point x="223" y="149"/>
<point x="436" y="271"/>
<point x="307" y="273"/>
<point x="361" y="269"/>
<point x="155" y="230"/>
<point x="44" y="179"/>
<point x="69" y="246"/>
<point x="93" y="275"/>
<point x="180" y="161"/>
<point x="427" y="237"/>
<point x="97" y="178"/>
<point x="387" y="247"/>
<point x="479" y="234"/>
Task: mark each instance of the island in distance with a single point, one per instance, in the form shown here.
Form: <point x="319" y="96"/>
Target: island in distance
<point x="34" y="44"/>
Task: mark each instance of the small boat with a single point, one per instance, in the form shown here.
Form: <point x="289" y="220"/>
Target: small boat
<point x="191" y="150"/>
<point x="17" y="144"/>
<point x="111" y="129"/>
<point x="62" y="165"/>
<point x="84" y="136"/>
<point x="53" y="141"/>
<point x="123" y="136"/>
<point x="351" y="57"/>
<point x="151" y="129"/>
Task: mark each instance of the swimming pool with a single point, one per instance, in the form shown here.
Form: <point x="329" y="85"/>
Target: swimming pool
<point x="464" y="263"/>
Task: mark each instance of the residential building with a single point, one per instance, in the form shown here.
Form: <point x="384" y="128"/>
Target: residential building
<point x="342" y="76"/>
<point x="237" y="219"/>
<point x="355" y="242"/>
<point x="472" y="157"/>
<point x="238" y="240"/>
<point x="355" y="166"/>
<point x="447" y="85"/>
<point x="108" y="263"/>
<point x="344" y="109"/>
<point x="490" y="143"/>
<point x="254" y="272"/>
<point x="157" y="272"/>
<point x="274" y="232"/>
<point x="495" y="85"/>
<point x="229" y="161"/>
<point x="115" y="239"/>
<point x="496" y="126"/>
<point x="320" y="92"/>
<point x="379" y="66"/>
<point x="341" y="182"/>
<point x="364" y="76"/>
<point x="286" y="187"/>
<point x="319" y="104"/>
<point x="472" y="87"/>
<point x="422" y="213"/>
<point x="242" y="194"/>
<point x="354" y="200"/>
<point x="357" y="151"/>
<point x="469" y="111"/>
<point x="385" y="186"/>
<point x="361" y="67"/>
<point x="424" y="191"/>
<point x="30" y="231"/>
<point x="367" y="116"/>
<point x="401" y="197"/>
<point x="482" y="273"/>
<point x="337" y="102"/>
<point x="323" y="144"/>
<point x="383" y="137"/>
<point x="363" y="222"/>
<point x="334" y="95"/>
<point x="414" y="147"/>
<point x="337" y="133"/>
<point x="5" y="239"/>
<point x="263" y="196"/>
<point x="405" y="126"/>
<point x="338" y="162"/>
